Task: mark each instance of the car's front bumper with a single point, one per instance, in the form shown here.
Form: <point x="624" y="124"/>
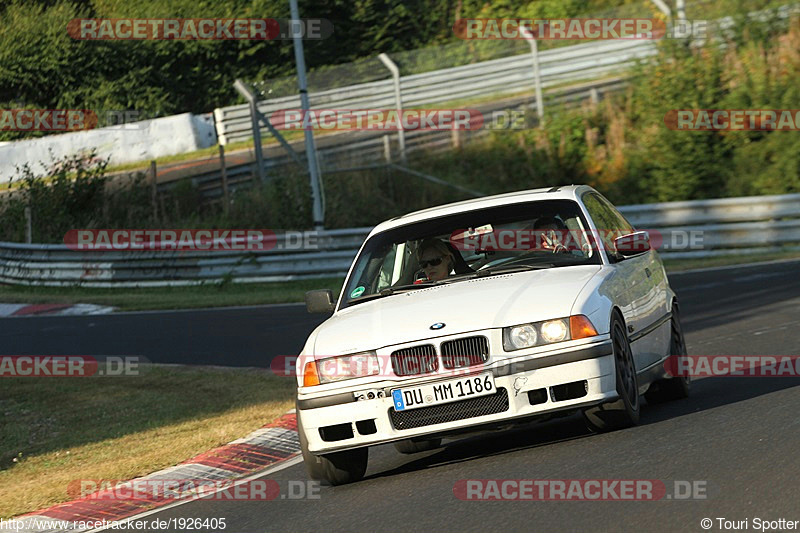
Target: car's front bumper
<point x="533" y="385"/>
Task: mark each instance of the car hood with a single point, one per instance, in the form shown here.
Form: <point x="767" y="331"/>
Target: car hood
<point x="463" y="306"/>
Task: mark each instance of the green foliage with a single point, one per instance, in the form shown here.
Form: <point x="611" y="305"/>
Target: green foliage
<point x="621" y="146"/>
<point x="76" y="194"/>
<point x="625" y="149"/>
<point x="71" y="195"/>
<point x="41" y="66"/>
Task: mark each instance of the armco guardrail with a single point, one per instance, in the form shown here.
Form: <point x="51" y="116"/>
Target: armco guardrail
<point x="339" y="151"/>
<point x="496" y="77"/>
<point x="718" y="227"/>
<point x="724" y="226"/>
<point x="57" y="265"/>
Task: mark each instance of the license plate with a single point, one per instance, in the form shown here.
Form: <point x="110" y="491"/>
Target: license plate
<point x="443" y="392"/>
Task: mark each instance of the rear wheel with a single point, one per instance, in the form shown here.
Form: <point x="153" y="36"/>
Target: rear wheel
<point x="410" y="446"/>
<point x="623" y="412"/>
<point x="676" y="388"/>
<point x="338" y="468"/>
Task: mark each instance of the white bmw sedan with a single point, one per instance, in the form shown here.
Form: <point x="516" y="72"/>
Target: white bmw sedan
<point x="481" y="313"/>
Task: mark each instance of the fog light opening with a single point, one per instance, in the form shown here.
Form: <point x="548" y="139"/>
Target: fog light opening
<point x="569" y="391"/>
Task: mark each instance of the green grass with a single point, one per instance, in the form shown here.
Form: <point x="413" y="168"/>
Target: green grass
<point x="136" y="299"/>
<point x="54" y="431"/>
<point x="210" y="152"/>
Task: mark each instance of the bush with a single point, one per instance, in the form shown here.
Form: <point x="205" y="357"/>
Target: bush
<point x="71" y="195"/>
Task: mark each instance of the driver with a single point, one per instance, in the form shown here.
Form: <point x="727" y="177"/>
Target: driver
<point x="435" y="259"/>
<point x="553" y="232"/>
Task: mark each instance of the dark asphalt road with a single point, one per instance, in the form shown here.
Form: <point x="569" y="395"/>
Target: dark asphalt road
<point x="247" y="336"/>
<point x="737" y="435"/>
<point x="252" y="336"/>
<point x="740" y="441"/>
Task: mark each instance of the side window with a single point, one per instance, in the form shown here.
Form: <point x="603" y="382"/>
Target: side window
<point x="622" y="224"/>
<point x="609" y="222"/>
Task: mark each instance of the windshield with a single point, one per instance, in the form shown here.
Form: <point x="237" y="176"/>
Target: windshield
<point x="450" y="249"/>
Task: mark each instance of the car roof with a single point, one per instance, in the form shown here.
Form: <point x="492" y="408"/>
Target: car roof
<point x="566" y="192"/>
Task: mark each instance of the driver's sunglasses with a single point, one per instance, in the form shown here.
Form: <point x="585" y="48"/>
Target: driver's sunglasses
<point x="432" y="262"/>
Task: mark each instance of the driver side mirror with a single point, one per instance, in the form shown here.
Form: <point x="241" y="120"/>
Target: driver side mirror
<point x="632" y="244"/>
<point x="320" y="301"/>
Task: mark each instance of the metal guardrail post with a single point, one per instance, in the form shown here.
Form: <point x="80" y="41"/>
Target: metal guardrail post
<point x="28" y="226"/>
<point x="537" y="75"/>
<point x="398" y="98"/>
<point x="245" y="91"/>
<point x="387" y="149"/>
<point x="663" y="7"/>
<point x="680" y="7"/>
<point x="318" y="210"/>
<point x="154" y="189"/>
<point x="225" y="193"/>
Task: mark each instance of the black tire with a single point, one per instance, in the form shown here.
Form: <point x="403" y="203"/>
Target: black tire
<point x="410" y="446"/>
<point x="338" y="468"/>
<point x="677" y="388"/>
<point x="623" y="412"/>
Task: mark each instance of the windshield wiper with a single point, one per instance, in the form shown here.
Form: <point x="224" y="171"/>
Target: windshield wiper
<point x="388" y="291"/>
<point x="510" y="269"/>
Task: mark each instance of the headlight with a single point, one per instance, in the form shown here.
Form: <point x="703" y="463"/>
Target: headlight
<point x="547" y="332"/>
<point x="520" y="337"/>
<point x="555" y="330"/>
<point x="339" y="368"/>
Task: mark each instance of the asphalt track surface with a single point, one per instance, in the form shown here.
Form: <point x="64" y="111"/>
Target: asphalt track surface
<point x="737" y="437"/>
<point x="723" y="313"/>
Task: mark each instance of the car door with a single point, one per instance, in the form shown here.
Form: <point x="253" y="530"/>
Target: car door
<point x="644" y="280"/>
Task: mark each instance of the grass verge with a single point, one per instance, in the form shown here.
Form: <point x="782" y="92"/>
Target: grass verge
<point x="209" y="295"/>
<point x="57" y="430"/>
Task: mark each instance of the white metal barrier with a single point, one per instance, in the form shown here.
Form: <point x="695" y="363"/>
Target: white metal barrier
<point x="714" y="227"/>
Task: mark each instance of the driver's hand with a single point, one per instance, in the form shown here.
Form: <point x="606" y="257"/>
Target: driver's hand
<point x="550" y="241"/>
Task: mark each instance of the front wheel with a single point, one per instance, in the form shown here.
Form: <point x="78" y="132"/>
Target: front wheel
<point x="623" y="412"/>
<point x="676" y="388"/>
<point x="338" y="468"/>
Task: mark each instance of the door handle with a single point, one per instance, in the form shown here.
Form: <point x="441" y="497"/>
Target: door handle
<point x="647" y="271"/>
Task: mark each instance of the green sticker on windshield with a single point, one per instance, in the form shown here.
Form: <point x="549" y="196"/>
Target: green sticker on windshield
<point x="358" y="291"/>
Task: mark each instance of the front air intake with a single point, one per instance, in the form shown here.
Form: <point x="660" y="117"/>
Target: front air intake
<point x="415" y="360"/>
<point x="468" y="351"/>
